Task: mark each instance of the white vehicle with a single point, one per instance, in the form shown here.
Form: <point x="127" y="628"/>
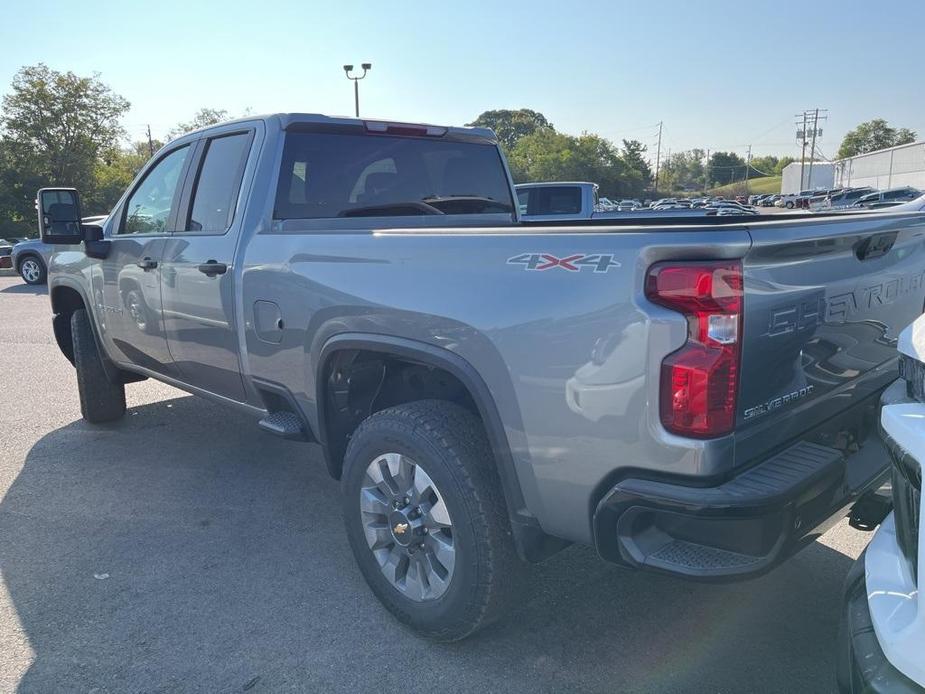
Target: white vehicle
<point x="883" y="633"/>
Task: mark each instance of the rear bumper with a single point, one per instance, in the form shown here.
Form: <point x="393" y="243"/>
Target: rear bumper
<point x="742" y="527"/>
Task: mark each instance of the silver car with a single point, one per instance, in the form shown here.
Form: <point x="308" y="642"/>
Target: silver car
<point x="30" y="257"/>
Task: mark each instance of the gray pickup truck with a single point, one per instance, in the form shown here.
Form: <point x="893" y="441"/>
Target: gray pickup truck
<point x="691" y="396"/>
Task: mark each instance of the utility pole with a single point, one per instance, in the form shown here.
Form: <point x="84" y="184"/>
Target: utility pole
<point x="803" y="153"/>
<point x="812" y="148"/>
<point x="802" y="136"/>
<point x="658" y="157"/>
<point x="706" y="173"/>
<point x="748" y="165"/>
<point x="150" y="143"/>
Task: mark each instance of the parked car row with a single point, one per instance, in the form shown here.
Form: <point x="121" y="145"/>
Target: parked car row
<point x="864" y="197"/>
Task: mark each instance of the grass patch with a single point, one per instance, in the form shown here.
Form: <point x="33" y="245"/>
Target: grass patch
<point x="756" y="186"/>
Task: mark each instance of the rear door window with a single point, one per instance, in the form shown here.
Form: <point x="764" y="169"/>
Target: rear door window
<point x="554" y="200"/>
<point x="326" y="175"/>
<point x="217" y="183"/>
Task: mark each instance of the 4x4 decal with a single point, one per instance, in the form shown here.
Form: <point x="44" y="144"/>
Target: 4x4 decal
<point x="600" y="262"/>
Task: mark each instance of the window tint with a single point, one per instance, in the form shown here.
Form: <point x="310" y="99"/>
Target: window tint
<point x="151" y="203"/>
<point x="218" y="182"/>
<point x="523" y="200"/>
<point x="554" y="200"/>
<point x="341" y="175"/>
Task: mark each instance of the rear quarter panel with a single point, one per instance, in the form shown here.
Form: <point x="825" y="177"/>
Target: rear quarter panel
<point x="533" y="336"/>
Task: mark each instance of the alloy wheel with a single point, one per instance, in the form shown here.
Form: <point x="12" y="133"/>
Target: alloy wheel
<point x="30" y="270"/>
<point x="408" y="527"/>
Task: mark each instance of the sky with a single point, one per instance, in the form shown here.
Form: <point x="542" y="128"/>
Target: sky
<point x="719" y="75"/>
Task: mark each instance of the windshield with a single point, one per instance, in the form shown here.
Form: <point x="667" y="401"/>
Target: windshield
<point x="339" y="175"/>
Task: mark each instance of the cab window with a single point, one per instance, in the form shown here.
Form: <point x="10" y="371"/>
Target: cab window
<point x="154" y="199"/>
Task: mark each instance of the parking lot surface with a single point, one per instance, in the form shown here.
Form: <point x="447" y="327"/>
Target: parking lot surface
<point x="180" y="549"/>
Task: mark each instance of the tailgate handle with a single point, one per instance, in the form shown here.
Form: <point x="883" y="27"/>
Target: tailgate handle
<point x="875" y="246"/>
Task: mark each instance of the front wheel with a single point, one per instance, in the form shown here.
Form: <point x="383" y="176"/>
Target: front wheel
<point x="426" y="518"/>
<point x="100" y="399"/>
<point x="32" y="270"/>
<point x="788" y="205"/>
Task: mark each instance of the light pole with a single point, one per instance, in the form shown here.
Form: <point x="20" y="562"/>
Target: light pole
<point x="356" y="83"/>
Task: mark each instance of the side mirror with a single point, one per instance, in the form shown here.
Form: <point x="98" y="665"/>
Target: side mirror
<point x="59" y="216"/>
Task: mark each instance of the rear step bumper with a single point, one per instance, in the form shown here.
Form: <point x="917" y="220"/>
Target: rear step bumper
<point x="743" y="527"/>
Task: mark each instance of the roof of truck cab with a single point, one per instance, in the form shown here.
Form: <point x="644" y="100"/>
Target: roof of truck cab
<point x="290" y="120"/>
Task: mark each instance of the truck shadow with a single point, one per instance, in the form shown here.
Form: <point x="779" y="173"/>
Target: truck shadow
<point x="182" y="550"/>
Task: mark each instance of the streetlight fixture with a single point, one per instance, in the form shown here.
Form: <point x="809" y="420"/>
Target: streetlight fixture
<point x="356" y="83"/>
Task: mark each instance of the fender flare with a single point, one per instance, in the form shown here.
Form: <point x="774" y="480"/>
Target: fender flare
<point x="113" y="373"/>
<point x="532" y="543"/>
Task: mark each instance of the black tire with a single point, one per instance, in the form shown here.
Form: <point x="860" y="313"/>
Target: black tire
<point x="449" y="444"/>
<point x="100" y="400"/>
<point x="32" y="270"/>
<point x="788" y="205"/>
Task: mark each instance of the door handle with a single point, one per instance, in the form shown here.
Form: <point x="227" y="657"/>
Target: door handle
<point x="211" y="268"/>
<point x="146" y="264"/>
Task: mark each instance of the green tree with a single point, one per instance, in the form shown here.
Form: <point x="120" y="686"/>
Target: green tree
<point x="56" y="126"/>
<point x="633" y="156"/>
<point x="726" y="167"/>
<point x="873" y="135"/>
<point x="682" y="171"/>
<point x="511" y="125"/>
<point x="547" y="155"/>
<point x="782" y="164"/>
<point x="204" y="118"/>
<point x="113" y="175"/>
<point x="764" y="166"/>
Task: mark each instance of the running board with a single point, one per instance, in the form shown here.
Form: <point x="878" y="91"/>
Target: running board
<point x="286" y="425"/>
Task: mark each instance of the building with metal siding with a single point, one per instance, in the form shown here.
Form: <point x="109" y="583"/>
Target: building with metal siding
<point x="823" y="175"/>
<point x="886" y="168"/>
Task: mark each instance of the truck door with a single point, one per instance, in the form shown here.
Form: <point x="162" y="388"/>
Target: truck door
<point x="198" y="267"/>
<point x="127" y="285"/>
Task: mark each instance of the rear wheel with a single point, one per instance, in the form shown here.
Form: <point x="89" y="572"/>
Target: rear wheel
<point x="789" y="204"/>
<point x="426" y="518"/>
<point x="32" y="270"/>
<point x="100" y="400"/>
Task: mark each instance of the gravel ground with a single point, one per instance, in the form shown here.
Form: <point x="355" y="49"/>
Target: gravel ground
<point x="182" y="550"/>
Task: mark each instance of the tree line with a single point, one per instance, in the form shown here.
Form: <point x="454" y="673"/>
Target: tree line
<point x="59" y="128"/>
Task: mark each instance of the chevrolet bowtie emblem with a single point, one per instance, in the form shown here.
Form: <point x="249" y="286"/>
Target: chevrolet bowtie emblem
<point x="400" y="528"/>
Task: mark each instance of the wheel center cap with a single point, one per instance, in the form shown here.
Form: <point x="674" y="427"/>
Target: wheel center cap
<point x="401" y="528"/>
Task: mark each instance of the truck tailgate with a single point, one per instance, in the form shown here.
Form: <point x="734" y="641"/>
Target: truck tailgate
<point x="824" y="303"/>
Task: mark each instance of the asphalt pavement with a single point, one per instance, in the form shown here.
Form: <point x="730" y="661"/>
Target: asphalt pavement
<point x="181" y="549"/>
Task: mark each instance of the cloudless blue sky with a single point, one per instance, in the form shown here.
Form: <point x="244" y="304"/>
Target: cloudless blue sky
<point x="721" y="75"/>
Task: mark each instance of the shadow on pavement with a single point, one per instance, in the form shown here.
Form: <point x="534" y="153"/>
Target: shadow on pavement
<point x="180" y="549"/>
<point x="25" y="289"/>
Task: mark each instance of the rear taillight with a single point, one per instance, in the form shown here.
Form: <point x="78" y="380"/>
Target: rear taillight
<point x="700" y="380"/>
